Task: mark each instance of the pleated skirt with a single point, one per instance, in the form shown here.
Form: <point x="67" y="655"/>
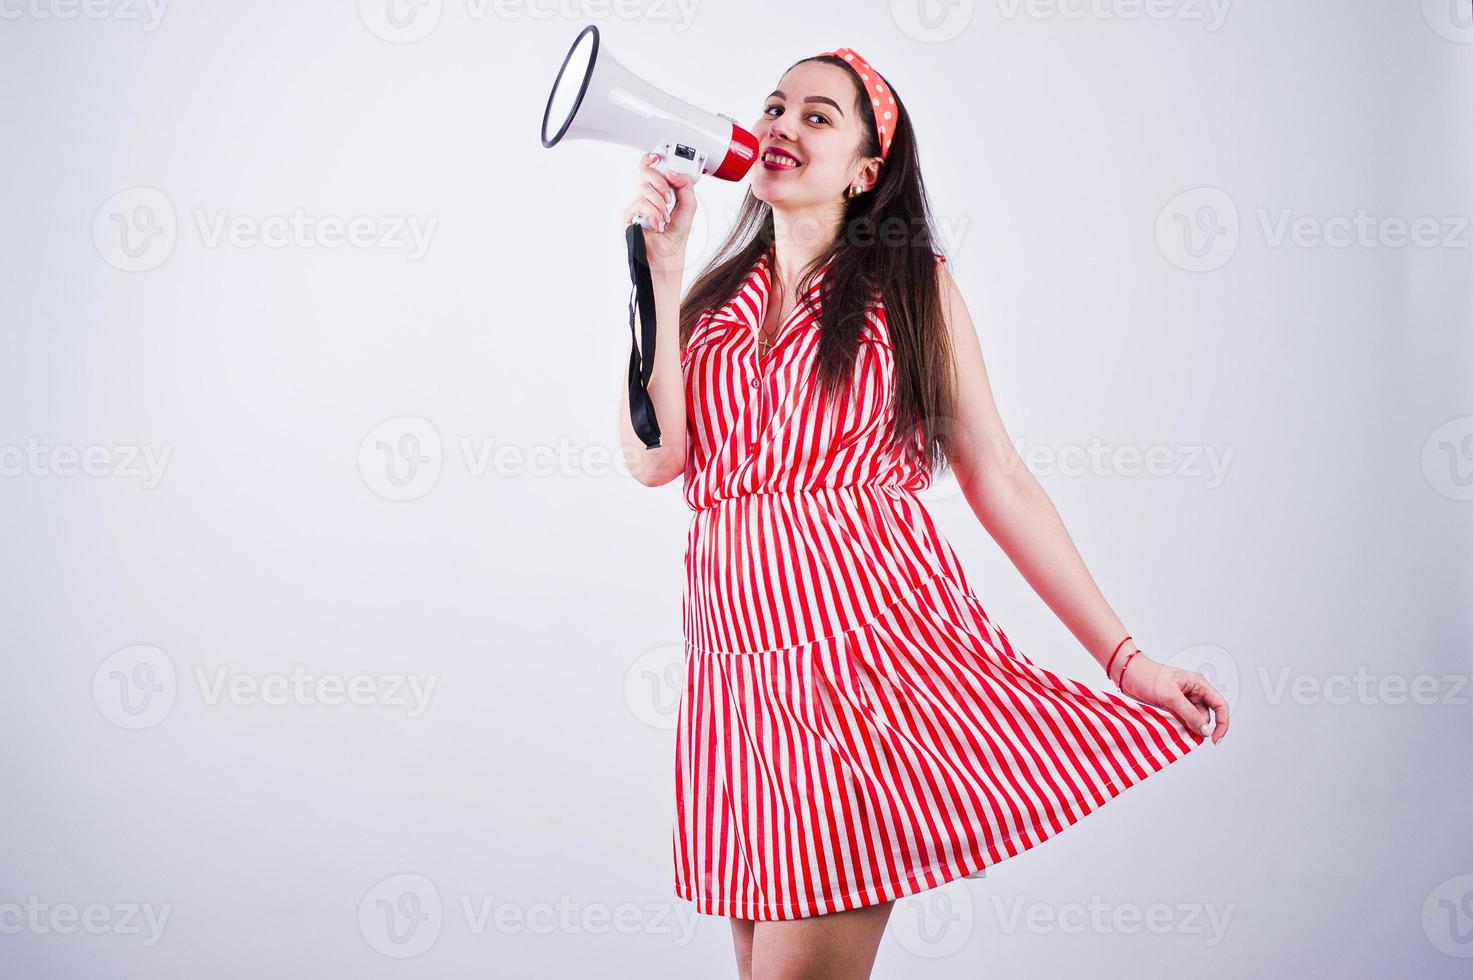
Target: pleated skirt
<point x="889" y="759"/>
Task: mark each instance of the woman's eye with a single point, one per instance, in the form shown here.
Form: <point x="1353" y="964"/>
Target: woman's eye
<point x="820" y="116"/>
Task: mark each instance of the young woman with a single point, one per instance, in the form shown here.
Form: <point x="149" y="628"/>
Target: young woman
<point x="854" y="728"/>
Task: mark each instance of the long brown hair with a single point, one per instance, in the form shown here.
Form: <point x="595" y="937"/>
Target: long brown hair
<point x="886" y="245"/>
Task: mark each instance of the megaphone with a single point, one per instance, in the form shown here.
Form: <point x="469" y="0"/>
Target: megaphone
<point x="594" y="97"/>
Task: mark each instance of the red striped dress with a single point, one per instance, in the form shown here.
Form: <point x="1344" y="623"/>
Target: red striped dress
<point x="853" y="727"/>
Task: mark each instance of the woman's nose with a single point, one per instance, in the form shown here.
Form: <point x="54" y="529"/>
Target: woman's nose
<point x="778" y="129"/>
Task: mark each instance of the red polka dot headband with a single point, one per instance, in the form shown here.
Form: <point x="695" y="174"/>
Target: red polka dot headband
<point x="880" y="96"/>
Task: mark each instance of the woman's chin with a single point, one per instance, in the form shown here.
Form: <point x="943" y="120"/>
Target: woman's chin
<point x="770" y="192"/>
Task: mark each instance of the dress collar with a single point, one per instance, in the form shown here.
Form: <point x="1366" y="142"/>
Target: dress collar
<point x="746" y="307"/>
<point x="762" y="274"/>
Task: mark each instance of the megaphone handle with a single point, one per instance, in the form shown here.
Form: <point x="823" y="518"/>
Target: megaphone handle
<point x="672" y="161"/>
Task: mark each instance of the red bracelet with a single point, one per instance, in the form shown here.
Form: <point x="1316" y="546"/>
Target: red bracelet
<point x="1122" y="669"/>
<point x="1112" y="656"/>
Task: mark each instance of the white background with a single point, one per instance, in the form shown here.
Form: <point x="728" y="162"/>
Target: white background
<point x="538" y="589"/>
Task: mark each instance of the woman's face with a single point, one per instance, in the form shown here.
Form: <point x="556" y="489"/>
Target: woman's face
<point x="812" y="116"/>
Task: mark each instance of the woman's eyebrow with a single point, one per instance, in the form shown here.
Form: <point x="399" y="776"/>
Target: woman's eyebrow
<point x="812" y="98"/>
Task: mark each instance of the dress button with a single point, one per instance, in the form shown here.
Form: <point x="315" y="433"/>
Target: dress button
<point x="755" y="382"/>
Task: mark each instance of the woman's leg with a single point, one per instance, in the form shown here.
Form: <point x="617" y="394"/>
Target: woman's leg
<point x="741" y="937"/>
<point x="837" y="946"/>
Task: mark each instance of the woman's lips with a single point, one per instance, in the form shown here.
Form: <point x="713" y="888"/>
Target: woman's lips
<point x="783" y="162"/>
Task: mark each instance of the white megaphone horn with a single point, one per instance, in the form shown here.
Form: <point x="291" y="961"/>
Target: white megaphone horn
<point x="597" y="98"/>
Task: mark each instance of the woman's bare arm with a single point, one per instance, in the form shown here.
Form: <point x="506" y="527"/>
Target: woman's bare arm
<point x="664" y="242"/>
<point x="1017" y="512"/>
<point x="658" y="466"/>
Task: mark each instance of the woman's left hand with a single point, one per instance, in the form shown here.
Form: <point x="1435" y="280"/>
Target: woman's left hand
<point x="1185" y="693"/>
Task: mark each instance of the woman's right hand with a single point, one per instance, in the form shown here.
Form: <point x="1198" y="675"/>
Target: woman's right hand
<point x="664" y="240"/>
